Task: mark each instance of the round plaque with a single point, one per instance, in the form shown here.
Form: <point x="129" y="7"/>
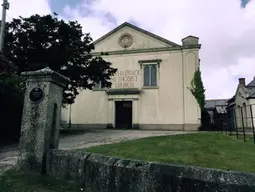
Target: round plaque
<point x="125" y="40"/>
<point x="36" y="95"/>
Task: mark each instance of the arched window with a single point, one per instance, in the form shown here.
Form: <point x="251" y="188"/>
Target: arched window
<point x="238" y="117"/>
<point x="245" y="116"/>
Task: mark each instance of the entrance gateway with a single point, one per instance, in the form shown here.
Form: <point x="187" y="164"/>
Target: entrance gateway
<point x="123" y="114"/>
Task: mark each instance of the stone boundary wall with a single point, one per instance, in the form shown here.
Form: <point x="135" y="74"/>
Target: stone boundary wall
<point x="98" y="173"/>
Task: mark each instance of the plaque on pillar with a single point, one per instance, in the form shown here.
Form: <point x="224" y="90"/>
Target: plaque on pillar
<point x="36" y="95"/>
<point x="40" y="123"/>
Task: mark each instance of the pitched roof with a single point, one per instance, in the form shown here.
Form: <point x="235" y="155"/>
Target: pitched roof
<point x="126" y="24"/>
<point x="231" y="99"/>
<point x="216" y="102"/>
<point x="250" y="87"/>
<point x="252" y="95"/>
<point x="252" y="83"/>
<point x="251" y="92"/>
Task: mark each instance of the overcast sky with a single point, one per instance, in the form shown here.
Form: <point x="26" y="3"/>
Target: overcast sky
<point x="226" y="29"/>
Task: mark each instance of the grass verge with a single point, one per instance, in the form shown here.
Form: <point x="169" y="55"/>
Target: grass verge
<point x="10" y="181"/>
<point x="213" y="150"/>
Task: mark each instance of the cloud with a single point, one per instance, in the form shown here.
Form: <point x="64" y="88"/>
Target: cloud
<point x="27" y="8"/>
<point x="225" y="29"/>
<point x="95" y="22"/>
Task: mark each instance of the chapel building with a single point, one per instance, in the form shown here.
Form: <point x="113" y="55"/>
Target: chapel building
<point x="150" y="88"/>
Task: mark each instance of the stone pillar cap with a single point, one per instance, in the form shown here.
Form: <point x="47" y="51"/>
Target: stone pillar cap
<point x="190" y="36"/>
<point x="191" y="42"/>
<point x="46" y="72"/>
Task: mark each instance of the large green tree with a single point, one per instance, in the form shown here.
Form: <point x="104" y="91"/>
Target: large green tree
<point x="39" y="41"/>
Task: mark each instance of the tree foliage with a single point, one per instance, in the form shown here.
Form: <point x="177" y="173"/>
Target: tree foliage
<point x="12" y="89"/>
<point x="6" y="67"/>
<point x="46" y="41"/>
<point x="197" y="89"/>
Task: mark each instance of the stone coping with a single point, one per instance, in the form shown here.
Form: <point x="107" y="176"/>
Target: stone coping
<point x="221" y="178"/>
<point x="44" y="73"/>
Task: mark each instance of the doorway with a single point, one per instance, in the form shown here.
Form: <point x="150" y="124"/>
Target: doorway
<point x="123" y="114"/>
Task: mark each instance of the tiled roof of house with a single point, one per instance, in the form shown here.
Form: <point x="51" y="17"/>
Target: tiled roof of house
<point x="250" y="87"/>
<point x="251" y="92"/>
<point x="215" y="102"/>
<point x="231" y="99"/>
<point x="252" y="83"/>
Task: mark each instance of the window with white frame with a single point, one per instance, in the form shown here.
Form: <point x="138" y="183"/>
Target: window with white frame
<point x="150" y="74"/>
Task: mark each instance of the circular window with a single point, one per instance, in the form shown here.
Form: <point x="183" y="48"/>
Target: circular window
<point x="126" y="40"/>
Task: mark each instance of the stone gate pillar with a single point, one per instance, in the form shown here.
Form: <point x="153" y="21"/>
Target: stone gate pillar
<point x="41" y="118"/>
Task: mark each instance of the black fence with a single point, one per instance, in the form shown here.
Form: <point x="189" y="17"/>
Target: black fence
<point x="240" y="121"/>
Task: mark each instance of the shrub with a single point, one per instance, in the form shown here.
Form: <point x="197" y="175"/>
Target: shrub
<point x="205" y="122"/>
<point x="12" y="89"/>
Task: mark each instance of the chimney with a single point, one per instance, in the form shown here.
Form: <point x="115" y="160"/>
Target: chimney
<point x="242" y="81"/>
<point x="190" y="40"/>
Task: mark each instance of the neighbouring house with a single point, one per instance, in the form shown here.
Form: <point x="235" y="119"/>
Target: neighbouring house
<point x="150" y="88"/>
<point x="241" y="107"/>
<point x="244" y="101"/>
<point x="216" y="109"/>
<point x="231" y="113"/>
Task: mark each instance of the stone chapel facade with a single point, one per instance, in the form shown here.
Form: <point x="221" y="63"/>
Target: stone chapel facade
<point x="150" y="88"/>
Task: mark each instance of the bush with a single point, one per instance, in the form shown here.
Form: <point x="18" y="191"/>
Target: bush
<point x="205" y="122"/>
<point x="12" y="89"/>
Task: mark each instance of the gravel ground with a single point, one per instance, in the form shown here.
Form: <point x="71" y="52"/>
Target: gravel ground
<point x="8" y="154"/>
<point x="109" y="136"/>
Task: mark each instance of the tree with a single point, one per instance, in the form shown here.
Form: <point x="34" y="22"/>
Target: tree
<point x="39" y="41"/>
<point x="6" y="67"/>
<point x="197" y="89"/>
<point x="12" y="89"/>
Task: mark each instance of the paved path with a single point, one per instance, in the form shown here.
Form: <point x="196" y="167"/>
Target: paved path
<point x="8" y="154"/>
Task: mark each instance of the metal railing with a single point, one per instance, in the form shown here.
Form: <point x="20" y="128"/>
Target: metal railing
<point x="240" y="120"/>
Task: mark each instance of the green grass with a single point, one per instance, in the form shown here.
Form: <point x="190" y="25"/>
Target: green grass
<point x="12" y="182"/>
<point x="213" y="150"/>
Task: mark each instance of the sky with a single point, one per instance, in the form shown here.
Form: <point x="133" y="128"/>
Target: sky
<point x="226" y="29"/>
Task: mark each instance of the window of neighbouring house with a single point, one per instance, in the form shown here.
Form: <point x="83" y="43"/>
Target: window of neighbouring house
<point x="150" y="74"/>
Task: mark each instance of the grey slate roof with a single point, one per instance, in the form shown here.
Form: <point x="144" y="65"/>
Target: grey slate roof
<point x="250" y="87"/>
<point x="252" y="83"/>
<point x="231" y="102"/>
<point x="251" y="92"/>
<point x="215" y="102"/>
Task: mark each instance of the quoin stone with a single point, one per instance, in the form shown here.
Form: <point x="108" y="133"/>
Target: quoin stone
<point x="41" y="118"/>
